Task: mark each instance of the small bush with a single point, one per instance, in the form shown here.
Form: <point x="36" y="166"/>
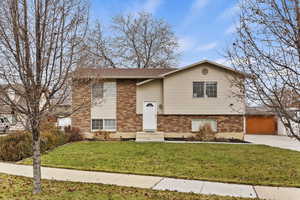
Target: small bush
<point x="17" y="146"/>
<point x="74" y="134"/>
<point x="205" y="133"/>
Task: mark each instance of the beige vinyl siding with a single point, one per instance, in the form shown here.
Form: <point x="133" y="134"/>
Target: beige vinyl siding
<point x="178" y="93"/>
<point x="106" y="108"/>
<point x="151" y="91"/>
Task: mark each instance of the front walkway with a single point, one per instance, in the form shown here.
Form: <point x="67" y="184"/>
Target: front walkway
<point x="274" y="141"/>
<point x="157" y="183"/>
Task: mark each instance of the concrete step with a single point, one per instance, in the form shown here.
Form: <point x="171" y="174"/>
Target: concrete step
<point x="150" y="137"/>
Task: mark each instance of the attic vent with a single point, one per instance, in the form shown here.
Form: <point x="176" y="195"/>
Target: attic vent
<point x="204" y="71"/>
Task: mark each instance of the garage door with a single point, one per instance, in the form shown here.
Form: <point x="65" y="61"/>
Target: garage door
<point x="264" y="125"/>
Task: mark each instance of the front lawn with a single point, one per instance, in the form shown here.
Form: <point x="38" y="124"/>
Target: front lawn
<point x="19" y="188"/>
<point x="237" y="163"/>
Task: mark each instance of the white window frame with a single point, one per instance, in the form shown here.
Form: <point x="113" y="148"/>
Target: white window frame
<point x="104" y="125"/>
<point x="205" y="89"/>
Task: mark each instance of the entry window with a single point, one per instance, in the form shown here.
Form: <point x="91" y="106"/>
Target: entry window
<point x="97" y="91"/>
<point x="103" y="124"/>
<point x="205" y="89"/>
<point x="149" y="105"/>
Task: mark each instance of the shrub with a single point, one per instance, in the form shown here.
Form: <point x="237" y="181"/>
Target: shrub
<point x="17" y="146"/>
<point x="205" y="133"/>
<point x="74" y="134"/>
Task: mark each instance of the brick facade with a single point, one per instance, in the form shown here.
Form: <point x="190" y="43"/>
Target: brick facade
<point x="127" y="119"/>
<point x="183" y="123"/>
<point x="81" y="105"/>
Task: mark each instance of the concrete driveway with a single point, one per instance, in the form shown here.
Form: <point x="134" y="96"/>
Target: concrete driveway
<point x="274" y="141"/>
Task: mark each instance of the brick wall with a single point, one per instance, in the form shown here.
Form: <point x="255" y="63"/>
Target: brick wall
<point x="182" y="123"/>
<point x="81" y="105"/>
<point x="127" y="119"/>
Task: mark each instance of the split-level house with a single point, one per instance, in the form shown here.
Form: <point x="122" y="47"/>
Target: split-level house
<point x="175" y="102"/>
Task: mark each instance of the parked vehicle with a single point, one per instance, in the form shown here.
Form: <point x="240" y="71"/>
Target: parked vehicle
<point x="4" y="125"/>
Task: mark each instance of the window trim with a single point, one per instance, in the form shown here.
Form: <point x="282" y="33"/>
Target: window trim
<point x="103" y="125"/>
<point x="205" y="92"/>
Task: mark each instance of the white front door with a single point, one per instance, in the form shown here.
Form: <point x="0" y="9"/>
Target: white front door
<point x="149" y="116"/>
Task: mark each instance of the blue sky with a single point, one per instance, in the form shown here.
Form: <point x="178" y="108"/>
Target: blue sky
<point x="204" y="27"/>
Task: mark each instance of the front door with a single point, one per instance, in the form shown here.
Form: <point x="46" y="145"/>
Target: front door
<point x="149" y="116"/>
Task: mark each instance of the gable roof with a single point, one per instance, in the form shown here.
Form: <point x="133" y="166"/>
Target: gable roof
<point x="202" y="62"/>
<point x="120" y="73"/>
<point x="195" y="65"/>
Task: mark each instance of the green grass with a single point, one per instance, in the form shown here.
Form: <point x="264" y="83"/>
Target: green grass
<point x="246" y="164"/>
<point x="19" y="188"/>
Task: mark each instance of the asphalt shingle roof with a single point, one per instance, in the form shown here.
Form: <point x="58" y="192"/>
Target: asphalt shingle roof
<point x="119" y="73"/>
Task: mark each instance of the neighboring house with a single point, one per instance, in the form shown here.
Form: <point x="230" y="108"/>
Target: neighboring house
<point x="173" y="101"/>
<point x="62" y="114"/>
<point x="17" y="120"/>
<point x="294" y="109"/>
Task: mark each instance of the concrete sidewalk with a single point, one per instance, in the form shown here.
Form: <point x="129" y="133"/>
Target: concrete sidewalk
<point x="157" y="183"/>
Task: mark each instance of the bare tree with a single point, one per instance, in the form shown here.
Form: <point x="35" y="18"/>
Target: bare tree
<point x="135" y="41"/>
<point x="98" y="49"/>
<point x="267" y="45"/>
<point x="38" y="49"/>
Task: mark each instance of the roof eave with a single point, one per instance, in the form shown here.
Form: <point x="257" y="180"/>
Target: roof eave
<point x="245" y="75"/>
<point x="116" y="77"/>
<point x="209" y="62"/>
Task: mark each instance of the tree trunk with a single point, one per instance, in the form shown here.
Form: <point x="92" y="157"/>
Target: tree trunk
<point x="36" y="162"/>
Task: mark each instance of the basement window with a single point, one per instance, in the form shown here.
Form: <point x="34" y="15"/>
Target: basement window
<point x="97" y="124"/>
<point x="103" y="124"/>
<point x="110" y="124"/>
<point x="197" y="124"/>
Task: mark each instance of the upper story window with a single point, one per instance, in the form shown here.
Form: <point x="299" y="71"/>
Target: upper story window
<point x="211" y="89"/>
<point x="97" y="91"/>
<point x="198" y="89"/>
<point x="205" y="89"/>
